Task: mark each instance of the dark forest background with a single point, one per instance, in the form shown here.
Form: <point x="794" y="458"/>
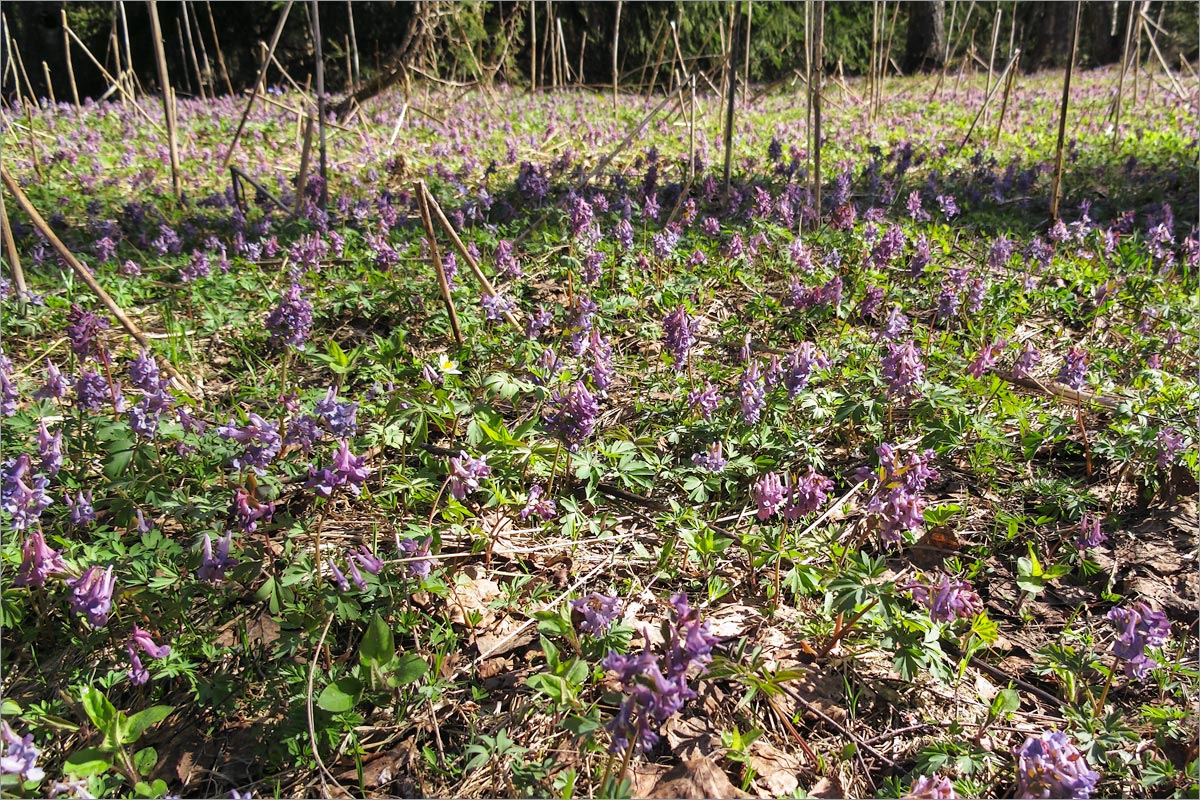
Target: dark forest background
<point x="491" y="41"/>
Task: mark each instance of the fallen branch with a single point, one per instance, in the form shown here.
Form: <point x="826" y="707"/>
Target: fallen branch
<point x="436" y="257"/>
<point x="87" y="277"/>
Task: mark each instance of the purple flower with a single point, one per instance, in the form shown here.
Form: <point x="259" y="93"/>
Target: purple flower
<point x="539" y="322"/>
<point x="902" y="369"/>
<point x="20" y="756"/>
<point x="248" y="511"/>
<point x="921" y="256"/>
<point x="1049" y="765"/>
<point x="800" y="365"/>
<point x="600" y="354"/>
<point x="507" y="263"/>
<point x="1168" y="442"/>
<point x="807" y="494"/>
<point x="899" y="509"/>
<point x="213" y="567"/>
<point x="495" y="306"/>
<point x="82" y="512"/>
<point x="895" y="326"/>
<point x="931" y="788"/>
<point x="753" y="393"/>
<point x="986" y="358"/>
<point x="1090" y="534"/>
<point x="198" y="267"/>
<point x="537" y="505"/>
<point x="1138" y="626"/>
<point x="303" y="432"/>
<point x="143" y="641"/>
<point x="913" y="204"/>
<point x="347" y="470"/>
<point x="948" y="205"/>
<point x="1073" y="372"/>
<point x="56" y="385"/>
<point x="1026" y="361"/>
<point x="598" y="612"/>
<point x="92" y="390"/>
<point x="419" y="564"/>
<point x="49" y="449"/>
<point x="868" y="307"/>
<point x="704" y="401"/>
<point x="338" y="578"/>
<point x="947" y="599"/>
<point x="572" y="416"/>
<point x="623" y="233"/>
<point x="290" y="322"/>
<point x="339" y="417"/>
<point x="261" y="439"/>
<point x="656" y="688"/>
<point x="83" y="332"/>
<point x="366" y="559"/>
<point x="38" y="562"/>
<point x="679" y="336"/>
<point x="887" y="248"/>
<point x="144" y="373"/>
<point x="8" y="389"/>
<point x="23" y="495"/>
<point x="92" y="595"/>
<point x="465" y="474"/>
<point x="712" y="460"/>
<point x="769" y="494"/>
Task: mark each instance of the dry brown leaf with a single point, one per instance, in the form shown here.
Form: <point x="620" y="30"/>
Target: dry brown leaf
<point x="472" y="591"/>
<point x="690" y="737"/>
<point x="776" y="769"/>
<point x="696" y="777"/>
<point x="827" y="787"/>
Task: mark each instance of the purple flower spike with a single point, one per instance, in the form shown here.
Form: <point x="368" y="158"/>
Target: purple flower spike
<point x="1026" y="361"/>
<point x="931" y="788"/>
<point x="946" y="600"/>
<point x="572" y="416"/>
<point x="465" y="474"/>
<point x="290" y="322"/>
<point x="598" y="612"/>
<point x="213" y="567"/>
<point x="82" y="512"/>
<point x="38" y="562"/>
<point x="92" y="595"/>
<point x="23" y="495"/>
<point x="712" y="460"/>
<point x="50" y="449"/>
<point x="1138" y="627"/>
<point x="770" y="494"/>
<point x="418" y="550"/>
<point x="143" y="640"/>
<point x="1049" y="765"/>
<point x="20" y="756"/>
<point x="1168" y="442"/>
<point x="902" y="369"/>
<point x="679" y="336"/>
<point x="56" y="385"/>
<point x="1074" y="369"/>
<point x="83" y="332"/>
<point x="1090" y="534"/>
<point x="367" y="560"/>
<point x="704" y="401"/>
<point x="536" y="505"/>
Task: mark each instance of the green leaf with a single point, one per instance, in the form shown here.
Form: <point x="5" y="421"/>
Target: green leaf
<point x="411" y="667"/>
<point x="137" y="724"/>
<point x="341" y="695"/>
<point x="1005" y="702"/>
<point x="87" y="762"/>
<point x="156" y="789"/>
<point x="551" y="623"/>
<point x="378" y="647"/>
<point x="145" y="759"/>
<point x="100" y="711"/>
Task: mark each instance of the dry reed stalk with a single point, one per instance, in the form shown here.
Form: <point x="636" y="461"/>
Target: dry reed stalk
<point x="353" y="42"/>
<point x="463" y="251"/>
<point x="436" y="257"/>
<point x="1056" y="186"/>
<point x="14" y="258"/>
<point x="208" y="70"/>
<point x="187" y="78"/>
<point x="86" y="275"/>
<point x="258" y="86"/>
<point x="1008" y="84"/>
<point x="732" y="99"/>
<point x="164" y="80"/>
<point x="70" y="66"/>
<point x="305" y="155"/>
<point x="212" y="23"/>
<point x="116" y="82"/>
<point x="819" y="21"/>
<point x="317" y="44"/>
<point x="191" y="50"/>
<point x="49" y="83"/>
<point x="616" y="41"/>
<point x="533" y="76"/>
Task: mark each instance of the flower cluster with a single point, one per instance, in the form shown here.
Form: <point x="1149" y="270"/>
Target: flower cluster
<point x="1073" y="372"/>
<point x="1138" y="627"/>
<point x="804" y="496"/>
<point x="657" y="687"/>
<point x="753" y="392"/>
<point x="23" y="494"/>
<point x="1090" y="534"/>
<point x="947" y="599"/>
<point x="92" y="595"/>
<point x="1049" y="765"/>
<point x="419" y="563"/>
<point x="896" y="505"/>
<point x="704" y="401"/>
<point x="214" y="566"/>
<point x="679" y="335"/>
<point x="928" y="787"/>
<point x="572" y="415"/>
<point x="800" y="365"/>
<point x="361" y="557"/>
<point x="141" y="640"/>
<point x="598" y="611"/>
<point x="903" y="369"/>
<point x="465" y="474"/>
<point x="712" y="460"/>
<point x="20" y="756"/>
<point x="290" y="322"/>
<point x="537" y="505"/>
<point x="261" y="441"/>
<point x="346" y="469"/>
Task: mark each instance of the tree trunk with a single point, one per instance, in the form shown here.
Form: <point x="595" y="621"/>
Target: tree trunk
<point x="925" y="45"/>
<point x="395" y="69"/>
